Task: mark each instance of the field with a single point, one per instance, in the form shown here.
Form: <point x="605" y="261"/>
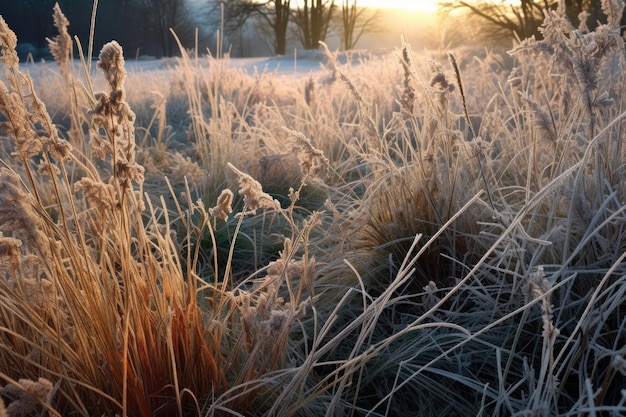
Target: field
<point x="425" y="233"/>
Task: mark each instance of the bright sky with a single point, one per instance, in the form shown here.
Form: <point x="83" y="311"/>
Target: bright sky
<point x="426" y="6"/>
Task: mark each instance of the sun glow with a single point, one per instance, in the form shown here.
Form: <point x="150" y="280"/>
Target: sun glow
<point x="424" y="6"/>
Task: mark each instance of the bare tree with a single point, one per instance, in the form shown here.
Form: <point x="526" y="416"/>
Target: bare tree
<point x="503" y="19"/>
<point x="159" y="16"/>
<point x="355" y="22"/>
<point x="279" y="23"/>
<point x="274" y="13"/>
<point x="313" y="21"/>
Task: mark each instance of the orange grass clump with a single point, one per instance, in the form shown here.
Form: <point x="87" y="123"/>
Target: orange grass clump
<point x="93" y="294"/>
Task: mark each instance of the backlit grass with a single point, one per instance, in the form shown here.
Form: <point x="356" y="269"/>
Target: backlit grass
<point x="419" y="234"/>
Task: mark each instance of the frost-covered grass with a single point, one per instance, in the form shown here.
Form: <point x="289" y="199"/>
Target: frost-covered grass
<point x="411" y="234"/>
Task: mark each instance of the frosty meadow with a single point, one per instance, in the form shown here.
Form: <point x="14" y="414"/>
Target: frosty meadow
<point x="433" y="233"/>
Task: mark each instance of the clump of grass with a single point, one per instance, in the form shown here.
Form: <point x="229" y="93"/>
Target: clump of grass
<point x="418" y="186"/>
<point x="121" y="305"/>
<point x="26" y="397"/>
<point x="96" y="297"/>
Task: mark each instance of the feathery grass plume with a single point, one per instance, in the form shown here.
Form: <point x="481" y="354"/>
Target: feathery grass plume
<point x="437" y="121"/>
<point x="543" y="121"/>
<point x="27" y="396"/>
<point x="407" y="99"/>
<point x="332" y="62"/>
<point x="19" y="216"/>
<point x="312" y="161"/>
<point x="554" y="29"/>
<point x="253" y="196"/>
<point x="267" y="317"/>
<point x="28" y="123"/>
<point x="309" y="91"/>
<point x="583" y="68"/>
<point x="457" y="73"/>
<point x="25" y="137"/>
<point x="10" y="249"/>
<point x="477" y="146"/>
<point x="224" y="205"/>
<point x="99" y="195"/>
<point x="375" y="141"/>
<point x="113" y="115"/>
<point x="61" y="50"/>
<point x="8" y="43"/>
<point x="441" y="88"/>
<point x="61" y="45"/>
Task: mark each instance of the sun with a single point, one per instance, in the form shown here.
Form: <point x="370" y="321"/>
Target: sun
<point x="424" y="6"/>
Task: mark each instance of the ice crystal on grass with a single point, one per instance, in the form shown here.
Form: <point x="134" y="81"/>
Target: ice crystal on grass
<point x="543" y="121"/>
<point x="579" y="52"/>
<point x="613" y="9"/>
<point x="224" y="205"/>
<point x="309" y="92"/>
<point x="430" y="299"/>
<point x="253" y="196"/>
<point x="265" y="314"/>
<point x="478" y="146"/>
<point x="582" y="19"/>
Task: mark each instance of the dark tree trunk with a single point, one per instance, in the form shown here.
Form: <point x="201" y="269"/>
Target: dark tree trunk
<point x="313" y="21"/>
<point x="281" y="23"/>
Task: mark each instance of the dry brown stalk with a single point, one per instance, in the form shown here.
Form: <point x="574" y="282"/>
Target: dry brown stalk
<point x="113" y="115"/>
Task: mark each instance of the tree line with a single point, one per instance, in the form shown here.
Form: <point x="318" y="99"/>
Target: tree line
<point x="311" y="20"/>
<point x="501" y="19"/>
<point x="143" y="26"/>
<point x="307" y="21"/>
